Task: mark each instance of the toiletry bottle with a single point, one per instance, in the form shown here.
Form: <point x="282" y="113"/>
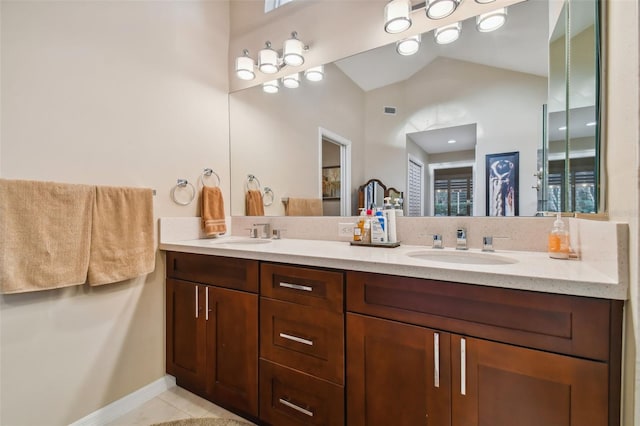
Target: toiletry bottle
<point x="559" y="240"/>
<point x="390" y="219"/>
<point x="378" y="228"/>
<point x="366" y="234"/>
<point x="398" y="207"/>
<point x="358" y="230"/>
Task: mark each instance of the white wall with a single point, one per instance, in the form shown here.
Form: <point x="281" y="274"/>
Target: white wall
<point x="622" y="138"/>
<point x="113" y="93"/>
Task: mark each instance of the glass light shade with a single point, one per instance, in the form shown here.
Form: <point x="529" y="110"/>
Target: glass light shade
<point x="438" y="9"/>
<point x="292" y="52"/>
<point x="315" y="73"/>
<point x="408" y="46"/>
<point x="448" y="33"/>
<point x="491" y="21"/>
<point x="396" y="16"/>
<point x="268" y="60"/>
<point x="244" y="68"/>
<point x="485" y="1"/>
<point x="270" y="86"/>
<point x="291" y="81"/>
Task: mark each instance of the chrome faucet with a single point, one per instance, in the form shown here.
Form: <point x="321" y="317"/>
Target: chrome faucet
<point x="487" y="244"/>
<point x="461" y="239"/>
<point x="437" y="241"/>
<point x="266" y="229"/>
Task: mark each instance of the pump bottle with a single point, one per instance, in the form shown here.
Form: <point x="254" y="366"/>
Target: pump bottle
<point x="558" y="240"/>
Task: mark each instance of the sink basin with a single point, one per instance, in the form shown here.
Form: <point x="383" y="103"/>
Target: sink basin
<point x="240" y="241"/>
<point x="462" y="257"/>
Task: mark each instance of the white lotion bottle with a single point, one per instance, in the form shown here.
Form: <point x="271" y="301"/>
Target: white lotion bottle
<point x="390" y="215"/>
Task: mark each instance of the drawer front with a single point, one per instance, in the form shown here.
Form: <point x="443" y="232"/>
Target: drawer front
<point x="228" y="272"/>
<point x="559" y="323"/>
<point x="306" y="339"/>
<point x="305" y="286"/>
<point x="289" y="397"/>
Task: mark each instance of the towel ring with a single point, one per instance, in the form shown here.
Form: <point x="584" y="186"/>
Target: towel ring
<point x="267" y="198"/>
<point x="250" y="179"/>
<point x="182" y="183"/>
<point x="207" y="173"/>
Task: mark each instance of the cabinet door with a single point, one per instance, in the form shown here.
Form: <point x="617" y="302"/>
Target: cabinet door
<point x="186" y="351"/>
<point x="494" y="384"/>
<point x="397" y="374"/>
<point x="232" y="348"/>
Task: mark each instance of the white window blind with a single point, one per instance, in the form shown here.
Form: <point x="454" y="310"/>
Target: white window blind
<point x="414" y="190"/>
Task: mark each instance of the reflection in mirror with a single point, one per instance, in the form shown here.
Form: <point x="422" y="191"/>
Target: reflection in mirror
<point x="371" y="194"/>
<point x="495" y="83"/>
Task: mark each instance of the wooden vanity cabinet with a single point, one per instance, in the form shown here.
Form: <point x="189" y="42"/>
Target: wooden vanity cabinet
<point x="502" y="357"/>
<point x="301" y="346"/>
<point x="212" y="328"/>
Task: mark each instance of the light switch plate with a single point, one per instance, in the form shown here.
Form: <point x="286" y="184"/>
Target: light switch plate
<point x="345" y="229"/>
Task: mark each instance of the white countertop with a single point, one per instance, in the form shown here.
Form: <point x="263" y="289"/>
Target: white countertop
<point x="531" y="271"/>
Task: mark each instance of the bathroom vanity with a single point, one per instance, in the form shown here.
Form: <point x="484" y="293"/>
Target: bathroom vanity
<point x="332" y="335"/>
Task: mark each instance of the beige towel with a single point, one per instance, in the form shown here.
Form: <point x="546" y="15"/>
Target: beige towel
<point x="303" y="207"/>
<point x="213" y="221"/>
<point x="45" y="230"/>
<point x="253" y="203"/>
<point x="122" y="243"/>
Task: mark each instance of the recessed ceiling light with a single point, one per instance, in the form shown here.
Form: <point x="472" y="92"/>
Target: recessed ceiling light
<point x="451" y="141"/>
<point x="562" y="128"/>
<point x="591" y="123"/>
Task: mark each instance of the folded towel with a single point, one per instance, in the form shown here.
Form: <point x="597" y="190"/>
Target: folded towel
<point x="213" y="221"/>
<point x="122" y="242"/>
<point x="253" y="203"/>
<point x="45" y="230"/>
<point x="303" y="207"/>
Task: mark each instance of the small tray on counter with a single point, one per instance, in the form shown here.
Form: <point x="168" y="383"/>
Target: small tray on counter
<point x="385" y="245"/>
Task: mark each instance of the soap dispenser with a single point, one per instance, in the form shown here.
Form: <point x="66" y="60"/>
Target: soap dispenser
<point x="558" y="240"/>
<point x="390" y="217"/>
<point x="358" y="230"/>
<point x="398" y="207"/>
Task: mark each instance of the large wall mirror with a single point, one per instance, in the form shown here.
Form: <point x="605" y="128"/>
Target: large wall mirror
<point x="490" y="124"/>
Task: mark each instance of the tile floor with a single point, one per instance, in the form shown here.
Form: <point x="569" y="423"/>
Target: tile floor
<point x="173" y="404"/>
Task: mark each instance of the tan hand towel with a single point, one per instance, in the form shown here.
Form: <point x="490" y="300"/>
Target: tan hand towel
<point x="303" y="207"/>
<point x="122" y="241"/>
<point x="45" y="230"/>
<point x="253" y="203"/>
<point x="213" y="221"/>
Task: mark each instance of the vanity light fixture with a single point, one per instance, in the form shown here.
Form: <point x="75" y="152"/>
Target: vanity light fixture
<point x="271" y="61"/>
<point x="491" y="21"/>
<point x="244" y="66"/>
<point x="448" y="33"/>
<point x="396" y="16"/>
<point x="408" y="46"/>
<point x="292" y="81"/>
<point x="439" y="9"/>
<point x="315" y="73"/>
<point x="268" y="59"/>
<point x="270" y="86"/>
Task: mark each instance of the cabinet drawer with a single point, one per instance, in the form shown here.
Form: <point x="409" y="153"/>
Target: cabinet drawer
<point x="306" y="286"/>
<point x="307" y="339"/>
<point x="559" y="323"/>
<point x="228" y="272"/>
<point x="289" y="397"/>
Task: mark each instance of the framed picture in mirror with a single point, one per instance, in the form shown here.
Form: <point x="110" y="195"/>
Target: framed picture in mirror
<point x="502" y="184"/>
<point x="331" y="183"/>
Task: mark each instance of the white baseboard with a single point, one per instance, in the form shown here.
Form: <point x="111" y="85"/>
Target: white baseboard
<point x="125" y="404"/>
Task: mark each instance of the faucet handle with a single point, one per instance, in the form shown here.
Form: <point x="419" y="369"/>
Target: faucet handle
<point x="253" y="232"/>
<point x="437" y="241"/>
<point x="487" y="244"/>
<point x="277" y="233"/>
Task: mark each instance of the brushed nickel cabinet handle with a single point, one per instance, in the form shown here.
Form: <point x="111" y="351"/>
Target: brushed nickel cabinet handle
<point x="436" y="360"/>
<point x="296" y="286"/>
<point x="196" y="288"/>
<point x="463" y="366"/>
<point x="295" y="407"/>
<point x="206" y="301"/>
<point x="296" y="339"/>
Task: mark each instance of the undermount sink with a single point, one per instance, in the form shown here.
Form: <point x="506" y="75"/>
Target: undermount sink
<point x="462" y="257"/>
<point x="240" y="241"/>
